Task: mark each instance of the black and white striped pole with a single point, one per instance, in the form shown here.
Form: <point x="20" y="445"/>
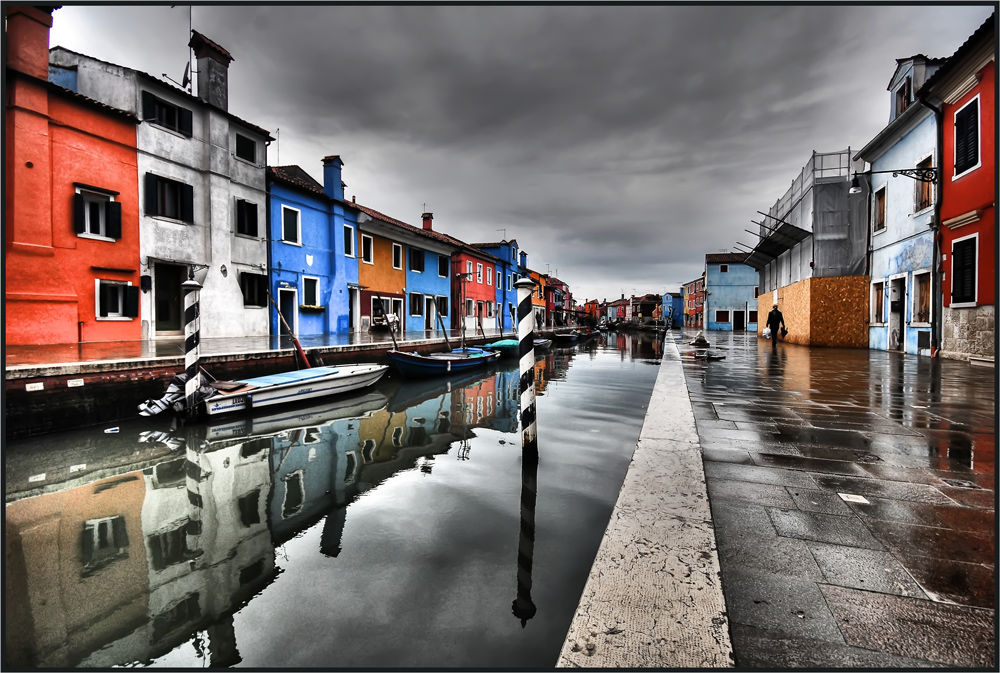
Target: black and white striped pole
<point x="192" y="342"/>
<point x="523" y="607"/>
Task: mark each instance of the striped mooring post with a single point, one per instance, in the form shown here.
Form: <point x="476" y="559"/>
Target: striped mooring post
<point x="523" y="607"/>
<point x="192" y="343"/>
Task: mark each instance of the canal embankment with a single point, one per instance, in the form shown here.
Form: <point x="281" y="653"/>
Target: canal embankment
<point x="654" y="595"/>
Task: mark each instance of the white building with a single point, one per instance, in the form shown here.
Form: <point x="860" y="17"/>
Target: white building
<point x="202" y="192"/>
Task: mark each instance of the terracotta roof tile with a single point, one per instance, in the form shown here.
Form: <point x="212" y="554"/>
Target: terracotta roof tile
<point x="725" y="257"/>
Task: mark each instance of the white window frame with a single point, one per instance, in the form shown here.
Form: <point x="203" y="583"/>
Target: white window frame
<point x="351" y="252"/>
<point x="468" y="268"/>
<point x="979" y="142"/>
<point x="885" y="206"/>
<point x="121" y="301"/>
<point x="88" y="197"/>
<point x="304" y="293"/>
<point x="371" y="248"/>
<point x="298" y="225"/>
<point x="508" y="281"/>
<point x="395" y="247"/>
<point x="913" y="299"/>
<point x="479" y="273"/>
<point x="951" y="286"/>
<point x="470" y="308"/>
<point x="489" y="276"/>
<point x="881" y="320"/>
<point x="421" y="304"/>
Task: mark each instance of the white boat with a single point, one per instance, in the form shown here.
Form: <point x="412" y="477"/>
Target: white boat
<point x="304" y="384"/>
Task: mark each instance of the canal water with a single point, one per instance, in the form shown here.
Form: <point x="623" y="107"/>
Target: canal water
<point x="392" y="528"/>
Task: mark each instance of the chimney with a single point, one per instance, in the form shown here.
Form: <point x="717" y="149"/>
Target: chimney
<point x="213" y="71"/>
<point x="28" y="39"/>
<point x="428" y="219"/>
<point x="333" y="185"/>
<point x="623" y="295"/>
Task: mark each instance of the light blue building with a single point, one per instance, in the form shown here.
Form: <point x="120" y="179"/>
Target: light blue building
<point x="512" y="266"/>
<point x="731" y="289"/>
<point x="673" y="309"/>
<point x="901" y="305"/>
<point x="312" y="252"/>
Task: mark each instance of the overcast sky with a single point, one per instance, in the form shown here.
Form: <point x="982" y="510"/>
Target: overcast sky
<point x="618" y="145"/>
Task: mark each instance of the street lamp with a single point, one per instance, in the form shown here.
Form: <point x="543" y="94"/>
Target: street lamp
<point x="919" y="174"/>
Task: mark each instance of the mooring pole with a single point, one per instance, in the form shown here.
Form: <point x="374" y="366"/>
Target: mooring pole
<point x="192" y="343"/>
<point x="522" y="607"/>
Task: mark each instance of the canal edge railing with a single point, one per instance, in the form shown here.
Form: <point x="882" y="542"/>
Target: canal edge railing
<point x="654" y="595"/>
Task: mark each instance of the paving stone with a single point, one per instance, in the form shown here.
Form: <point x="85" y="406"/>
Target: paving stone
<point x="972" y="497"/>
<point x="758" y="494"/>
<point x="953" y="581"/>
<point x="818" y="527"/>
<point x="727" y="456"/>
<point x="866" y="569"/>
<point x="770" y="650"/>
<point x="951" y="634"/>
<point x="815" y="500"/>
<point x="809" y="464"/>
<point x="762" y="475"/>
<point x="901" y="511"/>
<point x="826" y="452"/>
<point x="737" y="435"/>
<point x="881" y="488"/>
<point x="966" y="518"/>
<point x="943" y="543"/>
<point x="779" y="603"/>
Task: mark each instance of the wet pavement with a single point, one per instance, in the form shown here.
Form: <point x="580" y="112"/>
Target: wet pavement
<point x="853" y="496"/>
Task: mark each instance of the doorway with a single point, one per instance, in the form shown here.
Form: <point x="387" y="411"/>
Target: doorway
<point x="897" y="294"/>
<point x="287" y="301"/>
<point x="353" y="302"/>
<point x="428" y="312"/>
<point x="739" y="321"/>
<point x="169" y="310"/>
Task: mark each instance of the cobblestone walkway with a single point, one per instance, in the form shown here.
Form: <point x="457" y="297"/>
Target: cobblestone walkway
<point x="852" y="493"/>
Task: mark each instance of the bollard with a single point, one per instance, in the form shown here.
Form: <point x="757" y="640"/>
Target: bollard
<point x="192" y="343"/>
<point x="523" y="607"/>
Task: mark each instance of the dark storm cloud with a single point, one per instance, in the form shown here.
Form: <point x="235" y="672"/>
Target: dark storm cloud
<point x="617" y="144"/>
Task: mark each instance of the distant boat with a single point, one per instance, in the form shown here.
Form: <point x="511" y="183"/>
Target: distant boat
<point x="435" y="364"/>
<point x="566" y="338"/>
<point x="224" y="397"/>
<point x="542" y="344"/>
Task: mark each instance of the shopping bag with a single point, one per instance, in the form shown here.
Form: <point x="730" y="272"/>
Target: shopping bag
<point x="766" y="333"/>
<point x="784" y="332"/>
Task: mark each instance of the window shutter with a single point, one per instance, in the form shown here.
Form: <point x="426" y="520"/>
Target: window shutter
<point x="79" y="214"/>
<point x="131" y="308"/>
<point x="148" y="106"/>
<point x="118" y="531"/>
<point x="151" y="200"/>
<point x="87" y="544"/>
<point x="102" y="304"/>
<point x="113" y="219"/>
<point x="184" y="122"/>
<point x="966" y="138"/>
<point x="241" y="216"/>
<point x="251" y="215"/>
<point x="187" y="203"/>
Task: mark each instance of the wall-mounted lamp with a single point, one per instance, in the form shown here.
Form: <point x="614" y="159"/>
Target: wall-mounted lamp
<point x="918" y="174"/>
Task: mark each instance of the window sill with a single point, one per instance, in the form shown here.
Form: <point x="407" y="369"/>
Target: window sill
<point x="878" y="324"/>
<point x="171" y="220"/>
<point x="958" y="176"/>
<point x="173" y="132"/>
<point x="248" y="236"/>
<point x="367" y="262"/>
<point x="295" y="243"/>
<point x="310" y="308"/>
<point x="96" y="237"/>
<point x="113" y="319"/>
<point x="963" y="304"/>
<point x="923" y="211"/>
<point x="246" y="161"/>
<point x="876" y="232"/>
<point x="254" y="306"/>
<point x="350" y="255"/>
<point x="919" y="324"/>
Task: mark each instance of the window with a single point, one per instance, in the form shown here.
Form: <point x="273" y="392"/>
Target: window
<point x="310" y="291"/>
<point x="96" y="215"/>
<point x="246" y="149"/>
<point x="479" y="273"/>
<point x="489" y="275"/>
<point x="489" y="309"/>
<point x="722" y="316"/>
<point x="924" y="190"/>
<point x="103" y="541"/>
<point x="470" y="307"/>
<point x="967" y="137"/>
<point x="348" y="240"/>
<point x="254" y="288"/>
<point x="751" y="316"/>
<point x="442" y="306"/>
<point x="443" y="266"/>
<point x="168" y="548"/>
<point x="904" y="95"/>
<point x="397" y="256"/>
<point x="116" y="300"/>
<point x="877" y="303"/>
<point x="416" y="260"/>
<point x="756" y="292"/>
<point x="167" y="115"/>
<point x="723" y="268"/>
<point x="921" y="310"/>
<point x="169" y="198"/>
<point x="878" y="217"/>
<point x="479" y="309"/>
<point x="290" y="230"/>
<point x="416" y="303"/>
<point x="294" y="494"/>
<point x="963" y="271"/>
<point x="508" y="281"/>
<point x="468" y="269"/>
<point x="246" y="218"/>
<point x="366" y="249"/>
<point x="249" y="506"/>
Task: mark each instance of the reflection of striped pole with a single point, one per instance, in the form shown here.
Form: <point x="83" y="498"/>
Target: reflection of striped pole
<point x="192" y="342"/>
<point x="523" y="608"/>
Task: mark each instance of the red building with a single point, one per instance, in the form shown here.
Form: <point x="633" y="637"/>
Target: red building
<point x="694" y="302"/>
<point x="964" y="90"/>
<point x="473" y="292"/>
<point x="71" y="245"/>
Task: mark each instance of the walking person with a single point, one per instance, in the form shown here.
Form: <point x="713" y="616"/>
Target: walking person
<point x="774" y="319"/>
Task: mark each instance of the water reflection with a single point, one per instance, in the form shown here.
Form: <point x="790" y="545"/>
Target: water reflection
<point x="143" y="545"/>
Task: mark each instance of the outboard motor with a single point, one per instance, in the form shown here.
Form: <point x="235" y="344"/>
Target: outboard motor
<point x="174" y="397"/>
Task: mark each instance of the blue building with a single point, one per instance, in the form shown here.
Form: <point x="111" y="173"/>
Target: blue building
<point x="312" y="252"/>
<point x="512" y="266"/>
<point x="731" y="289"/>
<point x="673" y="309"/>
<point x="902" y="216"/>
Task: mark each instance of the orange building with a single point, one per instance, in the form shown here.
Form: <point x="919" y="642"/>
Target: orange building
<point x="71" y="247"/>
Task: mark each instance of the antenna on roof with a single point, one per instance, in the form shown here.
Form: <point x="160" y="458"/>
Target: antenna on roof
<point x="504" y="233"/>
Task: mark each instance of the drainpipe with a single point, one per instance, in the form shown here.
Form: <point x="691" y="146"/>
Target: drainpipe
<point x="937" y="301"/>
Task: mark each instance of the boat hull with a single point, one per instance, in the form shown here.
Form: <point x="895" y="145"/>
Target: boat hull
<point x="268" y="391"/>
<point x="416" y="365"/>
